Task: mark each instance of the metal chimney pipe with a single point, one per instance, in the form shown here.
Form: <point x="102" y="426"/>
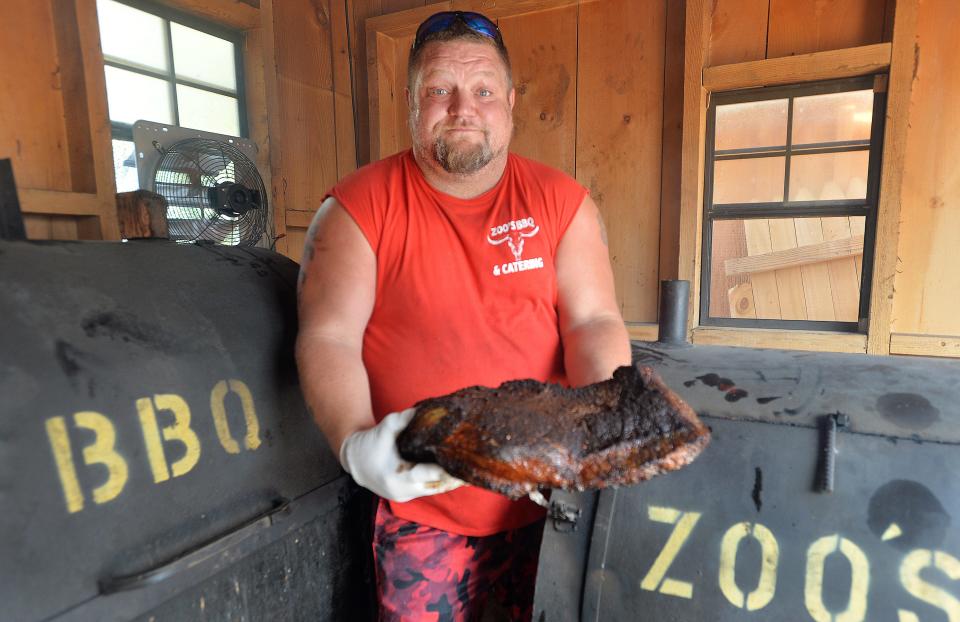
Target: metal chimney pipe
<point x="674" y="295"/>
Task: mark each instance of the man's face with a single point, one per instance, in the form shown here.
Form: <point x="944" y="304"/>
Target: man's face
<point x="461" y="109"/>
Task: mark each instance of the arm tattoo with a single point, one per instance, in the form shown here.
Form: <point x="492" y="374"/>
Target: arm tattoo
<point x="309" y="250"/>
<point x="603" y="229"/>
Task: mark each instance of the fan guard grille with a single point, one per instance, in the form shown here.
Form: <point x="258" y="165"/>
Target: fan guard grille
<point x="213" y="192"/>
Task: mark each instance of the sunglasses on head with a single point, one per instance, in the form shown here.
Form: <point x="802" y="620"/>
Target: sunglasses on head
<point x="439" y="22"/>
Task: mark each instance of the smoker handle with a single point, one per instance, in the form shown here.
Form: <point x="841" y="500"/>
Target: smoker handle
<point x="211" y="548"/>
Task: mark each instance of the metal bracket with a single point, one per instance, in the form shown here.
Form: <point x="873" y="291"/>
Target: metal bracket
<point x="828" y="450"/>
<point x="564" y="516"/>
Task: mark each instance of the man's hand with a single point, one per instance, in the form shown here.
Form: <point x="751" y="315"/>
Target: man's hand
<point x="371" y="457"/>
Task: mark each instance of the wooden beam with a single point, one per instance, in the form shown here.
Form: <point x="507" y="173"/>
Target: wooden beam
<point x="643" y="331"/>
<point x="793" y="257"/>
<point x="56" y="202"/>
<point x="846" y="63"/>
<point x="696" y="42"/>
<point x="902" y="75"/>
<point x="815" y="341"/>
<point x="299" y="218"/>
<point x="101" y="145"/>
<point x="233" y="13"/>
<point x="925" y="345"/>
<point x="343" y="106"/>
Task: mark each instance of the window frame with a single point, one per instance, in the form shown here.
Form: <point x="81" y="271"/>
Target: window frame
<point x="123" y="131"/>
<point x="866" y="207"/>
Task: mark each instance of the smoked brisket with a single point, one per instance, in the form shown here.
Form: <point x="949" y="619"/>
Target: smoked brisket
<point x="525" y="435"/>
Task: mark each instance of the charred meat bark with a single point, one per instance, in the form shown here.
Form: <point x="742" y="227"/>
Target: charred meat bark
<point x="525" y="435"/>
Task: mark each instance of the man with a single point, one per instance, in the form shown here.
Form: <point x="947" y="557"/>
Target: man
<point x="452" y="264"/>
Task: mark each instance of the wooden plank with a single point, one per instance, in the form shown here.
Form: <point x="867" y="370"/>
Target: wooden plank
<point x="38" y="227"/>
<point x="64" y="228"/>
<point x="296" y="238"/>
<point x="696" y="41"/>
<point x="927" y="279"/>
<point x="74" y="94"/>
<point x="271" y="87"/>
<point x="844" y="281"/>
<point x="233" y="13"/>
<point x="643" y="331"/>
<point x="303" y="137"/>
<point x="357" y="13"/>
<point x="740" y="300"/>
<point x="142" y="214"/>
<point x="393" y="6"/>
<point x="857" y="227"/>
<point x="805" y="254"/>
<point x="343" y="108"/>
<point x="56" y="202"/>
<point x="783" y="237"/>
<point x="801" y="68"/>
<point x="543" y="51"/>
<point x="817" y="294"/>
<point x="903" y="68"/>
<point x="766" y="297"/>
<point x="496" y="10"/>
<point x="727" y="242"/>
<point x="258" y="117"/>
<point x="101" y="147"/>
<point x="299" y="219"/>
<point x="925" y="345"/>
<point x="618" y="136"/>
<point x="32" y="131"/>
<point x="672" y="141"/>
<point x="383" y="99"/>
<point x="816" y="341"/>
<point x="802" y="27"/>
<point x="739" y="31"/>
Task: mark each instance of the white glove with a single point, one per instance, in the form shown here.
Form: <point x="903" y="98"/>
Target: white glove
<point x="371" y="457"/>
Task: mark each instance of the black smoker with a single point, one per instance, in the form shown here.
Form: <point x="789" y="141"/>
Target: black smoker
<point x="156" y="456"/>
<point x="157" y="461"/>
<point x="827" y="493"/>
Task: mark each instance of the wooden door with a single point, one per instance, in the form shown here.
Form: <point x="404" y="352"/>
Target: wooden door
<point x="589" y="78"/>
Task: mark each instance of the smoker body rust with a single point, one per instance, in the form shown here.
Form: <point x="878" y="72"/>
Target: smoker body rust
<point x="750" y="530"/>
<point x="156" y="456"/>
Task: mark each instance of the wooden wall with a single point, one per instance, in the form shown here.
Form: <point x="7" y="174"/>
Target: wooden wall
<point x="53" y="123"/>
<point x="564" y="54"/>
<point x="307" y="80"/>
<point x="927" y="287"/>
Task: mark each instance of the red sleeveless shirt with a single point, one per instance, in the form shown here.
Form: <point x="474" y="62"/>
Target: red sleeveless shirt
<point x="466" y="294"/>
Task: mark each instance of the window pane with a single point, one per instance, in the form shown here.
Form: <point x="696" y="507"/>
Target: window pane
<point x="832" y="117"/>
<point x="125" y="166"/>
<point x="202" y="110"/>
<point x="829" y="176"/>
<point x="203" y="58"/>
<point x="750" y="180"/>
<point x="130" y="35"/>
<point x="787" y="268"/>
<point x="132" y="96"/>
<point x="752" y="124"/>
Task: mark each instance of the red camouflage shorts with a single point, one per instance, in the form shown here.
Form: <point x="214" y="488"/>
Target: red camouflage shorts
<point x="427" y="574"/>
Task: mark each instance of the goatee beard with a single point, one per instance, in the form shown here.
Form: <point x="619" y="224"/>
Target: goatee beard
<point x="462" y="160"/>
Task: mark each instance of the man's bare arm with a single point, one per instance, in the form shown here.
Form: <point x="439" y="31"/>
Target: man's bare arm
<point x="595" y="340"/>
<point x="336" y="291"/>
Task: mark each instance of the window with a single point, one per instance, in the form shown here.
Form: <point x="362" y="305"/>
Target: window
<point x="790" y="202"/>
<point x="167" y="67"/>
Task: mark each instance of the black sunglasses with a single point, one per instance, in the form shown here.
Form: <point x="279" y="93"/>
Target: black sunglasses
<point x="439" y="22"/>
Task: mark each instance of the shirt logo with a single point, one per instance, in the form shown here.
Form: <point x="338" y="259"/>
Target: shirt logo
<point x="515" y="233"/>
